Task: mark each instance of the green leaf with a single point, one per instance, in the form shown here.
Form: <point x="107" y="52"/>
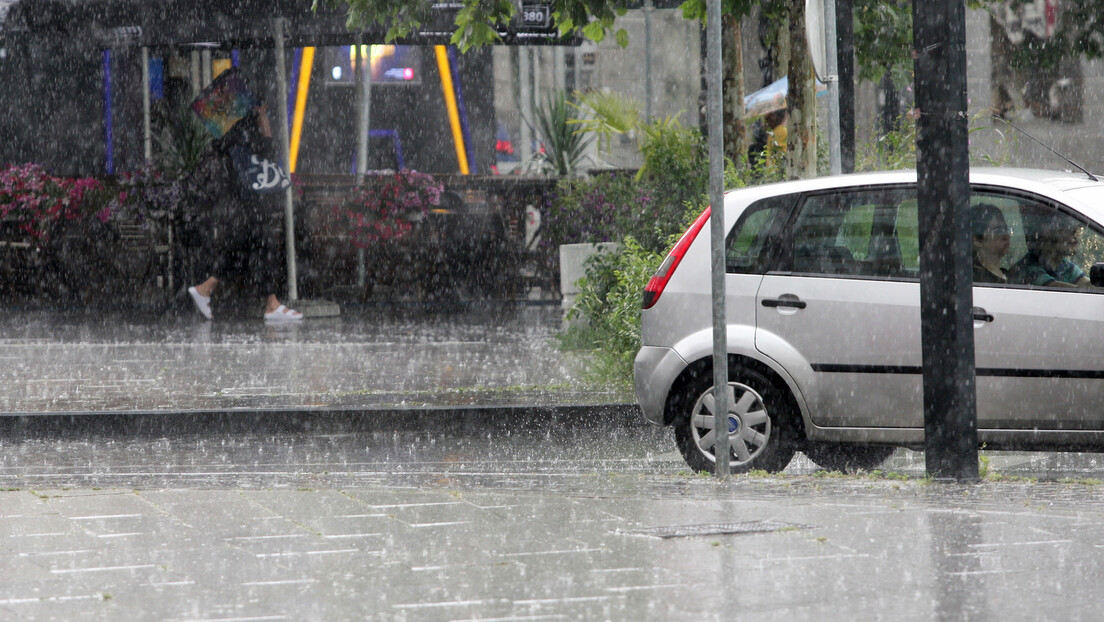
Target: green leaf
<point x="622" y="38"/>
<point x="594" y="31"/>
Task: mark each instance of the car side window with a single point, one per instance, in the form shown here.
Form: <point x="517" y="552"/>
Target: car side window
<point x="860" y="233"/>
<point x="1033" y="243"/>
<point x="749" y="245"/>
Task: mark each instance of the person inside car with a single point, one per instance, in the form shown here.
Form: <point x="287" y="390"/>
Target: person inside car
<point x="991" y="240"/>
<point x="1047" y="263"/>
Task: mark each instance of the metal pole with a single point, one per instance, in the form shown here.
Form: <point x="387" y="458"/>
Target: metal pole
<point x="205" y="67"/>
<point x="525" y="96"/>
<point x="946" y="276"/>
<point x="559" y="71"/>
<point x="147" y="136"/>
<point x="717" y="236"/>
<point x="197" y="84"/>
<point x="285" y="144"/>
<point x="831" y="62"/>
<point x="364" y="107"/>
<point x="648" y="60"/>
<point x="845" y="65"/>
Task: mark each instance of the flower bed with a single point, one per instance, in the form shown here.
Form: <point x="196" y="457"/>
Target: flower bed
<point x="77" y="238"/>
<point x="389" y="207"/>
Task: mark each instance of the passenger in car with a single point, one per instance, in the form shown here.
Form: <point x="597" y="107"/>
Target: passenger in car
<point x="1047" y="262"/>
<point x="991" y="240"/>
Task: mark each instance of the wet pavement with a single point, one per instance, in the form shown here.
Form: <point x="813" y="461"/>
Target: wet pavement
<point x="369" y="358"/>
<point x="409" y="466"/>
<point x="523" y="520"/>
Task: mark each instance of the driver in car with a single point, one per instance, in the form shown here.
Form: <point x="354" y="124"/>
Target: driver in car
<point x="1047" y="263"/>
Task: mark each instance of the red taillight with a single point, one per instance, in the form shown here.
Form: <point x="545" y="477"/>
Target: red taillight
<point x="659" y="280"/>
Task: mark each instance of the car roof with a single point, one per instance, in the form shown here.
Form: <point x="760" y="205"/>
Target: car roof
<point x="1022" y="178"/>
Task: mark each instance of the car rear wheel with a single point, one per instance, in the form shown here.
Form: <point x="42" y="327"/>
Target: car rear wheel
<point x="848" y="458"/>
<point x="761" y="424"/>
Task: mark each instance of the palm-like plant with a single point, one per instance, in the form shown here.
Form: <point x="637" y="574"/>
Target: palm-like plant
<point x="609" y="114"/>
<point x="182" y="141"/>
<point x="564" y="146"/>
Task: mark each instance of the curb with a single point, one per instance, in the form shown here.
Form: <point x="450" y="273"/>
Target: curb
<point x="460" y="420"/>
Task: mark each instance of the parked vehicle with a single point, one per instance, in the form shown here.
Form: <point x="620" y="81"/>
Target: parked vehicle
<point x="823" y="306"/>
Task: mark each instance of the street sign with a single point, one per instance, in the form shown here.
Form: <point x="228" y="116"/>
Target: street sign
<point x="536" y="15"/>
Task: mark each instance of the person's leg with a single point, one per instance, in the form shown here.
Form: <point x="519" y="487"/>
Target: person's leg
<point x="269" y="270"/>
<point x="207" y="287"/>
<point x="271" y="303"/>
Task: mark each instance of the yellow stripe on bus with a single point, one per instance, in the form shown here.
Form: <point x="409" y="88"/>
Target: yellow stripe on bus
<point x="450" y="104"/>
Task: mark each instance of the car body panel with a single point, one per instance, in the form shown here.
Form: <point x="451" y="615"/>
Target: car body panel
<point x="857" y="336"/>
<point x="655" y="369"/>
<point x="1041" y="359"/>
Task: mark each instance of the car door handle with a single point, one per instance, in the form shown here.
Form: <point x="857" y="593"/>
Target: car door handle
<point x="793" y="302"/>
<point x="981" y="315"/>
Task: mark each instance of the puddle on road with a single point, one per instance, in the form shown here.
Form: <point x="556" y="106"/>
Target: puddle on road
<point x="711" y="529"/>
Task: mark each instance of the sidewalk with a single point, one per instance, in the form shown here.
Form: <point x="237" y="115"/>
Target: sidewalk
<point x="368" y="359"/>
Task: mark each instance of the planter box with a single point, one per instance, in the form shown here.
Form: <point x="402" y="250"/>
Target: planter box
<point x="573" y="267"/>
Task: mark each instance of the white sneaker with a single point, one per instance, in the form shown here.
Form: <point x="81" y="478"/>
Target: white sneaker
<point x="202" y="303"/>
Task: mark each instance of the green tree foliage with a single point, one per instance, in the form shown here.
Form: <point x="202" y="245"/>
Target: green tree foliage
<point x="476" y="21"/>
<point x="883" y="40"/>
<point x="696" y="9"/>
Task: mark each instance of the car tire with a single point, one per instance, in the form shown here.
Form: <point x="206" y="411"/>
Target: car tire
<point x="847" y="458"/>
<point x="762" y="423"/>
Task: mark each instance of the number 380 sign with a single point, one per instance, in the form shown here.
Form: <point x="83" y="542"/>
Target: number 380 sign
<point x="536" y="15"/>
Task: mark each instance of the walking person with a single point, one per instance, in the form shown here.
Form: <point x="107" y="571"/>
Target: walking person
<point x="240" y="176"/>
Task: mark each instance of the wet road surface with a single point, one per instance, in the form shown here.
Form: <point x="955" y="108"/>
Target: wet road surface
<point x="523" y="518"/>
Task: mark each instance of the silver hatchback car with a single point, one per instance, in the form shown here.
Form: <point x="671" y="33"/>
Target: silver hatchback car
<point x="823" y="307"/>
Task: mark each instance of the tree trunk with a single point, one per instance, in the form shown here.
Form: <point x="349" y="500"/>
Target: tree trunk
<point x="732" y="54"/>
<point x="781" y="51"/>
<point x="801" y="147"/>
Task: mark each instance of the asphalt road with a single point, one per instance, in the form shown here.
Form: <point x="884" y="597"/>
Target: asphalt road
<point x="551" y="517"/>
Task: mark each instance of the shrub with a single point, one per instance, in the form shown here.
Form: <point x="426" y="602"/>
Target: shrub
<point x="143" y="193"/>
<point x="609" y="309"/>
<point x="611" y="205"/>
<point x="600" y="208"/>
<point x="676" y="170"/>
<point x="563" y="145"/>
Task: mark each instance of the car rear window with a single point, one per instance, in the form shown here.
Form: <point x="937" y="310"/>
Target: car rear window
<point x="749" y="248"/>
<point x="859" y="232"/>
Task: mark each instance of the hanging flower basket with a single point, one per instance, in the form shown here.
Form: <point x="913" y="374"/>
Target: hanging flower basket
<point x="388" y="207"/>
